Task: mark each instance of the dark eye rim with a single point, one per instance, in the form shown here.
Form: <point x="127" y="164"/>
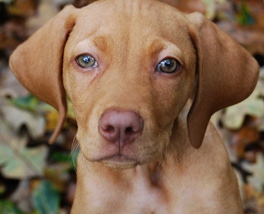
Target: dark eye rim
<point x="86" y="54"/>
<point x="177" y="68"/>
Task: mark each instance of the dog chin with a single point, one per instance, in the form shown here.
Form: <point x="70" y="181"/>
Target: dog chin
<point x="120" y="162"/>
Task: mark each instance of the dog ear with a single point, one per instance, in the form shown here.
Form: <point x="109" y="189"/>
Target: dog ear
<point x="226" y="72"/>
<point x="37" y="63"/>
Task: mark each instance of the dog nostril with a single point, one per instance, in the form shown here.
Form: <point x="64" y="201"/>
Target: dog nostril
<point x="129" y="131"/>
<point x="109" y="129"/>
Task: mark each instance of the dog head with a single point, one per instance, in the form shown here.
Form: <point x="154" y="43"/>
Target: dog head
<point x="129" y="68"/>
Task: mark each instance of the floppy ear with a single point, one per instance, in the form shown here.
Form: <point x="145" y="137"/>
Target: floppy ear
<point x="226" y="72"/>
<point x="37" y="63"/>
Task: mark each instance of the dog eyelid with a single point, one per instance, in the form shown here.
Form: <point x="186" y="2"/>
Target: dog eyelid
<point x="86" y="61"/>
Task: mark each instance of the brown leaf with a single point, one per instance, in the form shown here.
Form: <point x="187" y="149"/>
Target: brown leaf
<point x="247" y="134"/>
<point x="22" y="8"/>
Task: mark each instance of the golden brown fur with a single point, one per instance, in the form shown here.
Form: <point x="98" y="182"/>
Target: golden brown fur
<point x="161" y="170"/>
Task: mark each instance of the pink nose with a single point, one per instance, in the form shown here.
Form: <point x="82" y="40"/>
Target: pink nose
<point x="120" y="127"/>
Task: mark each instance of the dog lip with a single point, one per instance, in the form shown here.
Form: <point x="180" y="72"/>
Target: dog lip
<point x="117" y="158"/>
<point x="118" y="161"/>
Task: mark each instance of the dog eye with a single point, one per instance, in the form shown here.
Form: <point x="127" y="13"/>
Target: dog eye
<point x="168" y="65"/>
<point x="86" y="61"/>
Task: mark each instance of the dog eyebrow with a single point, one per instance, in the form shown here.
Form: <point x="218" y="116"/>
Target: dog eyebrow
<point x="156" y="47"/>
<point x="100" y="43"/>
<point x="166" y="47"/>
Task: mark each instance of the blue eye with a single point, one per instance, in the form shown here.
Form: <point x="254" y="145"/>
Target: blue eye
<point x="168" y="65"/>
<point x="86" y="61"/>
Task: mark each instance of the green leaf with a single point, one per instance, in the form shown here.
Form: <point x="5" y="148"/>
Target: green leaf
<point x="16" y="160"/>
<point x="60" y="156"/>
<point x="7" y="207"/>
<point x="7" y="1"/>
<point x="22" y="162"/>
<point x="46" y="198"/>
<point x="28" y="102"/>
<point x="65" y="157"/>
<point x="244" y="17"/>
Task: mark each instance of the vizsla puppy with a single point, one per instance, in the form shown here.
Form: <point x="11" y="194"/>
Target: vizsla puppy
<point x="144" y="80"/>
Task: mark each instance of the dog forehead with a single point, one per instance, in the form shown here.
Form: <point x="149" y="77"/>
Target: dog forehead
<point x="129" y="24"/>
<point x="103" y="7"/>
<point x="137" y="16"/>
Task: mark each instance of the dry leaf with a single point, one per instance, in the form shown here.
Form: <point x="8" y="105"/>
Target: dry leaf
<point x="16" y="118"/>
<point x="16" y="160"/>
<point x="257" y="181"/>
<point x="234" y="116"/>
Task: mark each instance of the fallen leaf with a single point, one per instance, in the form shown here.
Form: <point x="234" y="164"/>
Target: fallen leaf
<point x="16" y="160"/>
<point x="6" y="1"/>
<point x="255" y="198"/>
<point x="24" y="8"/>
<point x="211" y="7"/>
<point x="46" y="10"/>
<point x="52" y="118"/>
<point x="243" y="137"/>
<point x="58" y="174"/>
<point x="21" y="162"/>
<point x="7" y="207"/>
<point x="22" y="195"/>
<point x="17" y="118"/>
<point x="233" y="117"/>
<point x="257" y="181"/>
<point x="45" y="198"/>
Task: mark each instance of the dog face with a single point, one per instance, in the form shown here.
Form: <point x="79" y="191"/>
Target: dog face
<point x="129" y="68"/>
<point x="128" y="73"/>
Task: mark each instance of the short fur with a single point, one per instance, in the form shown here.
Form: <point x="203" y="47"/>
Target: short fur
<point x="178" y="163"/>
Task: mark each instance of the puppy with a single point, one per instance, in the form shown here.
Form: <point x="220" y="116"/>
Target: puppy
<point x="144" y="80"/>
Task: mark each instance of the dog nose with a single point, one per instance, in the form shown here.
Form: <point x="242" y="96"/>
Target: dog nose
<point x="120" y="127"/>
